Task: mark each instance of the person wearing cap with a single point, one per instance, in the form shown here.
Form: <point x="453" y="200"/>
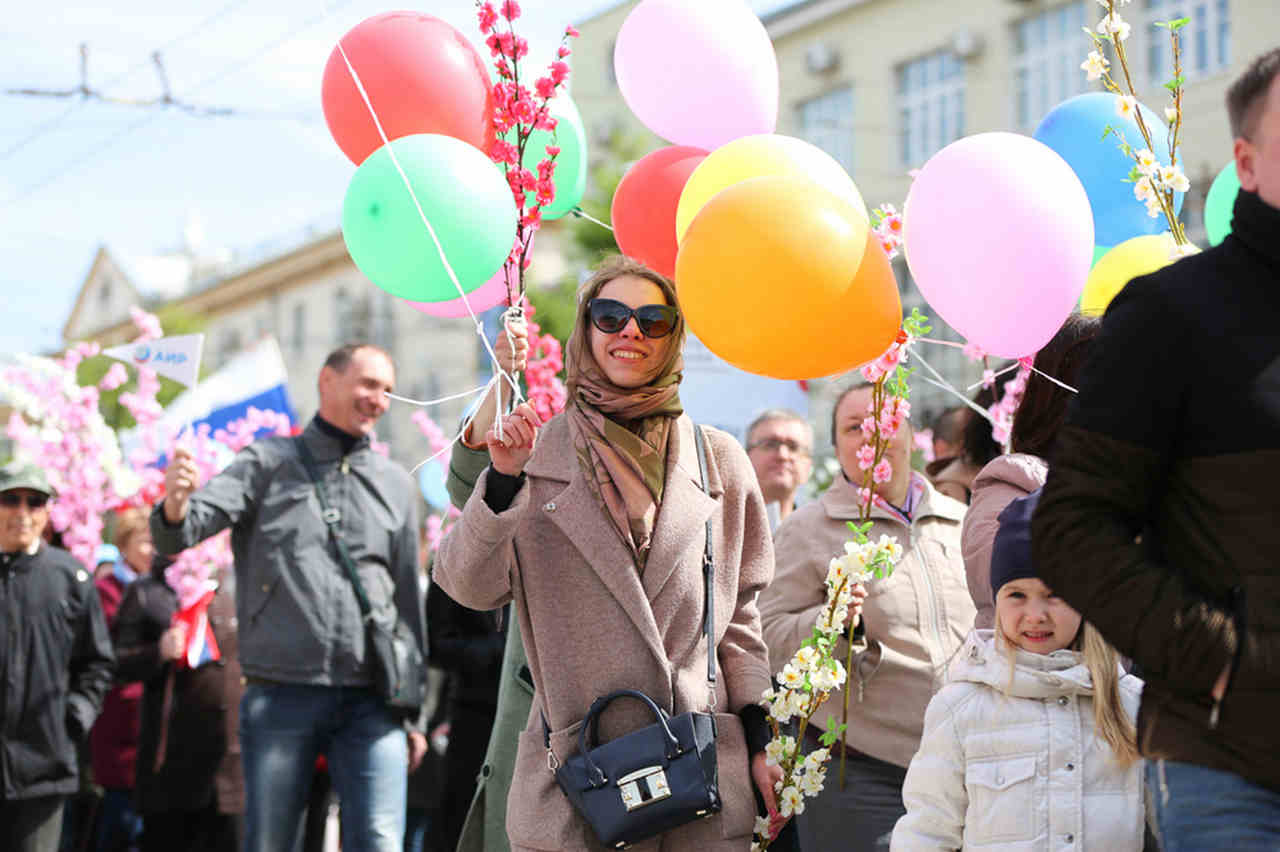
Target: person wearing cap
<point x="55" y="665"/>
<point x="105" y="558"/>
<point x="1031" y="743"/>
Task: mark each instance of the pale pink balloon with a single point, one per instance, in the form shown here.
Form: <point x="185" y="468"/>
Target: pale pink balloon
<point x="999" y="239"/>
<point x="698" y="73"/>
<point x="492" y="292"/>
<point x="488" y="295"/>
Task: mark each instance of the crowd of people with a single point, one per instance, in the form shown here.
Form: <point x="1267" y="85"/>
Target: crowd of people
<point x="1078" y="647"/>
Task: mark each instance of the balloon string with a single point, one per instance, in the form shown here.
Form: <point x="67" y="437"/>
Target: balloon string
<point x="466" y="424"/>
<point x="515" y="386"/>
<point x="582" y="214"/>
<point x="1010" y="368"/>
<point x="942" y="383"/>
<point x="424" y="403"/>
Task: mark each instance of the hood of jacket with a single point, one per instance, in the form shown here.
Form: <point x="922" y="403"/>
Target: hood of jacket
<point x="984" y="659"/>
<point x="1022" y="471"/>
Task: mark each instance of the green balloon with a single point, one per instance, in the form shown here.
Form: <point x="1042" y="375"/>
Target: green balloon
<point x="467" y="203"/>
<point x="1098" y="252"/>
<point x="570" y="177"/>
<point x="1219" y="203"/>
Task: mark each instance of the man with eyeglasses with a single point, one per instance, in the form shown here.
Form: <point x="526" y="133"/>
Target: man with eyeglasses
<point x="55" y="665"/>
<point x="780" y="446"/>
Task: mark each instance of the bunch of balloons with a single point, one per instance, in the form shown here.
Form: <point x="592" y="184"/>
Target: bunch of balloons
<point x="428" y="215"/>
<point x="766" y="235"/>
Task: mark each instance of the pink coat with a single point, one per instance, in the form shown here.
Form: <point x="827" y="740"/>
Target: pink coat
<point x="591" y="624"/>
<point x="1003" y="480"/>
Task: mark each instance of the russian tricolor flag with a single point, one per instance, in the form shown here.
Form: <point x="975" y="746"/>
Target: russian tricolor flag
<point x="202" y="647"/>
<point x="254" y="378"/>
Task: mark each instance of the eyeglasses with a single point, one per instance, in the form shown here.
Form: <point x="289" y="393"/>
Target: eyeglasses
<point x="612" y="316"/>
<point x="774" y="444"/>
<point x="34" y="501"/>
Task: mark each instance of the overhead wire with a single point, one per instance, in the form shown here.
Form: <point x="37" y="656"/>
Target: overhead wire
<point x="217" y="76"/>
<point x="56" y="121"/>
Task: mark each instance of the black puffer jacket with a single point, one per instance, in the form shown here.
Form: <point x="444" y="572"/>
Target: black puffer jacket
<point x="55" y="668"/>
<point x="1159" y="518"/>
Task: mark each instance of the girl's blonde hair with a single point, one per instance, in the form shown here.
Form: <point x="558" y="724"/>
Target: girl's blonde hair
<point x="1103" y="662"/>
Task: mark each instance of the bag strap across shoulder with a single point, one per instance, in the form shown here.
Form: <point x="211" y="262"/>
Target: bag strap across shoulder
<point x="708" y="571"/>
<point x="332" y="517"/>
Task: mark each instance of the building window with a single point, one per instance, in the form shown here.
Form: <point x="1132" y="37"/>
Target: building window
<point x="1206" y="40"/>
<point x="104" y="292"/>
<point x="1047" y="51"/>
<point x="930" y="106"/>
<point x="827" y="121"/>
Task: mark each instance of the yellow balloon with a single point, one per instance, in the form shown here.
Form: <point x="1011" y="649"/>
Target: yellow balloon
<point x="780" y="278"/>
<point x="762" y="156"/>
<point x="1128" y="260"/>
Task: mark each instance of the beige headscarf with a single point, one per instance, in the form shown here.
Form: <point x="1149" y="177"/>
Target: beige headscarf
<point x="620" y="434"/>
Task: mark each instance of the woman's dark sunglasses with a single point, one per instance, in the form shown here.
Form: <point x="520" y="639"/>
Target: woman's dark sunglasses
<point x="611" y="316"/>
<point x="13" y="501"/>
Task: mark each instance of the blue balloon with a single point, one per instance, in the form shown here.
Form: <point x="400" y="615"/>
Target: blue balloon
<point x="1074" y="129"/>
<point x="431" y="481"/>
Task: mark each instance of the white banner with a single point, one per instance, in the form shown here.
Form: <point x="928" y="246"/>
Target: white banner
<point x="177" y="358"/>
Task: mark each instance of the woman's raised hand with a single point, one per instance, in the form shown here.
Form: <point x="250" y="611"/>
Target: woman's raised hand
<point x="511" y="452"/>
<point x="512" y="344"/>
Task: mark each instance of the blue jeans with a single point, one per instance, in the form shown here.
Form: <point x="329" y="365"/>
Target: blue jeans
<point x="1196" y="808"/>
<point x="119" y="827"/>
<point x="284" y="727"/>
<point x="417" y="823"/>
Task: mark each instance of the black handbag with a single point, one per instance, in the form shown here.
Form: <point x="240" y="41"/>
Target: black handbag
<point x="659" y="777"/>
<point x="399" y="672"/>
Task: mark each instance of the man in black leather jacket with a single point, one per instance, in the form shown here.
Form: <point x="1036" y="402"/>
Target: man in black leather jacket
<point x="55" y="665"/>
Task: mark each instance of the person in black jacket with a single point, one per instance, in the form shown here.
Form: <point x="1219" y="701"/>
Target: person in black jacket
<point x="55" y="665"/>
<point x="468" y="645"/>
<point x="1158" y="522"/>
<point x="190" y="781"/>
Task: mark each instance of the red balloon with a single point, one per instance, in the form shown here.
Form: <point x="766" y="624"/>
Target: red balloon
<point x="421" y="75"/>
<point x="644" y="205"/>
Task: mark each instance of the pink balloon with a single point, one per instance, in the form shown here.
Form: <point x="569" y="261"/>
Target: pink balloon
<point x="488" y="295"/>
<point x="491" y="293"/>
<point x="999" y="238"/>
<point x="698" y="73"/>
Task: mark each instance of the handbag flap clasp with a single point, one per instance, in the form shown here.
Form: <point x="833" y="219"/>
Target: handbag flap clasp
<point x="644" y="787"/>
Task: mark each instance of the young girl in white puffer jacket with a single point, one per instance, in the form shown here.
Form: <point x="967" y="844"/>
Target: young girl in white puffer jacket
<point x="1031" y="745"/>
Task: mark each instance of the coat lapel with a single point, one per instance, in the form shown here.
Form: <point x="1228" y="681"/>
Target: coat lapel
<point x="578" y="514"/>
<point x="682" y="517"/>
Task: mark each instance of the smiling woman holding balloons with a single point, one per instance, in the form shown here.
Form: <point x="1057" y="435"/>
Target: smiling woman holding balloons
<point x="594" y="525"/>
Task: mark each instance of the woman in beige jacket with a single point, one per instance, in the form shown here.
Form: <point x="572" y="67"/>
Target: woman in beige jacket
<point x="597" y="537"/>
<point x="912" y="623"/>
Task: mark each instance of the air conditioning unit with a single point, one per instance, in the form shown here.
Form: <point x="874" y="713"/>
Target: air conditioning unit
<point x="966" y="44"/>
<point x="820" y="58"/>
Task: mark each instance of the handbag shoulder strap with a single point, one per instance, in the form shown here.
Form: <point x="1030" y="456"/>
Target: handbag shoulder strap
<point x="708" y="570"/>
<point x="332" y="517"/>
<point x="709" y="621"/>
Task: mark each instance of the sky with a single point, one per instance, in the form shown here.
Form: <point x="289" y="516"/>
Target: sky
<point x="76" y="174"/>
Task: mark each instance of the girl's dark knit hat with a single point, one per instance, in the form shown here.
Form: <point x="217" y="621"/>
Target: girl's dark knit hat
<point x="1011" y="552"/>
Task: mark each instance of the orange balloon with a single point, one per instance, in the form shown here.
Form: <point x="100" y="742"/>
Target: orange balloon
<point x="781" y="278"/>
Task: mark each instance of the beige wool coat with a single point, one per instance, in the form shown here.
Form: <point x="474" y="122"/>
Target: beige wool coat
<point x="591" y="624"/>
<point x="915" y="619"/>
